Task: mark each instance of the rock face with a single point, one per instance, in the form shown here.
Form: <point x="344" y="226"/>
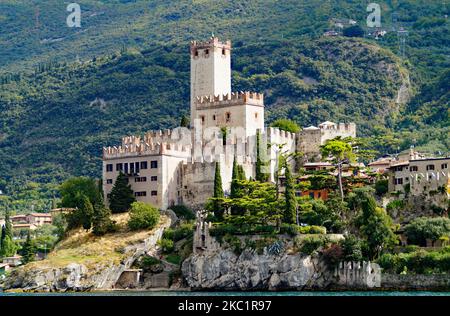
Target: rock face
<point x="76" y="277"/>
<point x="224" y="270"/>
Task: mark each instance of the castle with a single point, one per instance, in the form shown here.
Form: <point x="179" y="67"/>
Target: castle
<point x="177" y="166"/>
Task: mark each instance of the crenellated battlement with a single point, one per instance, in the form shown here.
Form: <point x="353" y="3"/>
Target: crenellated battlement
<point x="211" y="43"/>
<point x="279" y="134"/>
<point x="132" y="146"/>
<point x="235" y="98"/>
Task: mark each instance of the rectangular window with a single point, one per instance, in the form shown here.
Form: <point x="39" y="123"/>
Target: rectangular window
<point x="144" y="165"/>
<point x="131" y="168"/>
<point x="109" y="181"/>
<point x="119" y="167"/>
<point x="109" y="167"/>
<point x="125" y="167"/>
<point x="154" y="164"/>
<point x="154" y="178"/>
<point x="414" y="168"/>
<point x="430" y="167"/>
<point x="142" y="193"/>
<point x="444" y="166"/>
<point x="136" y="167"/>
<point x="154" y="193"/>
<point x="399" y="181"/>
<point x="140" y="179"/>
<point x="214" y="117"/>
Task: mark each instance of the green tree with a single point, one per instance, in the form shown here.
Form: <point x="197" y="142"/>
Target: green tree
<point x="101" y="221"/>
<point x="375" y="225"/>
<point x="286" y="125"/>
<point x="28" y="250"/>
<point x="217" y="205"/>
<point x="8" y="225"/>
<point x="290" y="211"/>
<point x="73" y="188"/>
<point x="235" y="191"/>
<point x="423" y="228"/>
<point x="341" y="152"/>
<point x="9" y="247"/>
<point x="143" y="216"/>
<point x="87" y="211"/>
<point x="122" y="195"/>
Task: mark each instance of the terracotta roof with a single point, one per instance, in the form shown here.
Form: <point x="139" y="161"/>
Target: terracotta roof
<point x="400" y="163"/>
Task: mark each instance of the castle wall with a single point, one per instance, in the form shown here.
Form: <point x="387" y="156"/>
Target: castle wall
<point x="276" y="138"/>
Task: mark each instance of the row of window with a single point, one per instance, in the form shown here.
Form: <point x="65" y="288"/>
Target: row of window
<point x="416" y="168"/>
<point x="137" y="179"/>
<point x="144" y="193"/>
<point x="132" y="167"/>
<point x="206" y="51"/>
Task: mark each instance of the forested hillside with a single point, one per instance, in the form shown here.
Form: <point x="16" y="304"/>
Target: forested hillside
<point x="65" y="93"/>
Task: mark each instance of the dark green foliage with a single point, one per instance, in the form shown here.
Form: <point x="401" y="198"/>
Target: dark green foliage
<point x="8" y="225"/>
<point x="122" y="196"/>
<point x="423" y="228"/>
<point x="351" y="248"/>
<point x="235" y="191"/>
<point x="217" y="206"/>
<point x="183" y="212"/>
<point x="83" y="213"/>
<point x="286" y="125"/>
<point x="181" y="232"/>
<point x="101" y="221"/>
<point x="8" y="247"/>
<point x="73" y="188"/>
<point x="28" y="250"/>
<point x="290" y="211"/>
<point x="316" y="212"/>
<point x="381" y="187"/>
<point x="374" y="224"/>
<point x="143" y="216"/>
<point x="146" y="262"/>
<point x="353" y="31"/>
<point x="312" y="243"/>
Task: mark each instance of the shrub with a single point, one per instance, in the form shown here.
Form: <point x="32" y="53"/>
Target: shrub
<point x="184" y="231"/>
<point x="313" y="229"/>
<point x="148" y="261"/>
<point x="143" y="216"/>
<point x="312" y="243"/>
<point x="166" y="245"/>
<point x="290" y="229"/>
<point x="168" y="233"/>
<point x="173" y="258"/>
<point x="381" y="187"/>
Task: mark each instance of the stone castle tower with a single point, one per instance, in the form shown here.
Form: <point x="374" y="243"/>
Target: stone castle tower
<point x="210" y="70"/>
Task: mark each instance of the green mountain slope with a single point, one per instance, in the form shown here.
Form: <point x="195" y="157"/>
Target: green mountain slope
<point x="65" y="93"/>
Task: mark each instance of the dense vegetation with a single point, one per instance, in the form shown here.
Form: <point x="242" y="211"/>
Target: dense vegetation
<point x="65" y="93"/>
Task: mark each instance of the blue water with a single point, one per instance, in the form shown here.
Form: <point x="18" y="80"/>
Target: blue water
<point x="172" y="293"/>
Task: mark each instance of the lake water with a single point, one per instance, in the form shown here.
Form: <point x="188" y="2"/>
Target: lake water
<point x="249" y="294"/>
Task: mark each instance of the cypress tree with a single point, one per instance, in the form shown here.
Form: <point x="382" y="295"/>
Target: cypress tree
<point x="218" y="193"/>
<point x="28" y="250"/>
<point x="8" y="225"/>
<point x="121" y="195"/>
<point x="101" y="221"/>
<point x="235" y="187"/>
<point x="2" y="238"/>
<point x="87" y="213"/>
<point x="290" y="211"/>
<point x="9" y="247"/>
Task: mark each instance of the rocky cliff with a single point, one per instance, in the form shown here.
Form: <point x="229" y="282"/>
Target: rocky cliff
<point x="224" y="270"/>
